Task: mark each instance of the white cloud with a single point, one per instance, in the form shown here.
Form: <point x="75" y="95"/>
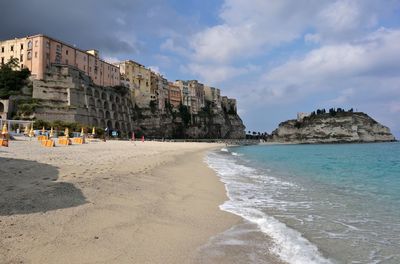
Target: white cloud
<point x="250" y="29"/>
<point x="312" y="38"/>
<point x="214" y="74"/>
<point x="365" y="57"/>
<point x="156" y="69"/>
<point x="111" y="59"/>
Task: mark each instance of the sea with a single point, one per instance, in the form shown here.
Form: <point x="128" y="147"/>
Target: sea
<point x="308" y="204"/>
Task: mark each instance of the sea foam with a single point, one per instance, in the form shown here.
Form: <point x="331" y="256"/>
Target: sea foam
<point x="288" y="244"/>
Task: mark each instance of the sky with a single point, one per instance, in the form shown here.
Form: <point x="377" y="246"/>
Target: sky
<point x="276" y="58"/>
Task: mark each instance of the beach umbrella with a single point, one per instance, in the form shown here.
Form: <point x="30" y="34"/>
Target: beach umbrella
<point x="43" y="130"/>
<point x="4" y="130"/>
<point x="26" y="131"/>
<point x="31" y="133"/>
<point x="94" y="131"/>
<point x="51" y="132"/>
<point x="82" y="134"/>
<point x="66" y="132"/>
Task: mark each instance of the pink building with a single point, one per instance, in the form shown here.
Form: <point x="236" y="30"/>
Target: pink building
<point x="39" y="52"/>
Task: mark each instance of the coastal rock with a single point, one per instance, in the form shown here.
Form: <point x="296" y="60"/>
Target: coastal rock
<point x="344" y="127"/>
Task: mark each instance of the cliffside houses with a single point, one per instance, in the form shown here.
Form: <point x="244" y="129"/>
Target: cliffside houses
<point x="46" y="57"/>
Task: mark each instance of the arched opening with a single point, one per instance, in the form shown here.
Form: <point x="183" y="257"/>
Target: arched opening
<point x="117" y="127"/>
<point x="105" y="105"/>
<point x="91" y="101"/>
<point x="111" y="98"/>
<point x="113" y="107"/>
<point x="96" y="94"/>
<point x="117" y="100"/>
<point x="1" y="107"/>
<point x="108" y="116"/>
<point x="102" y="124"/>
<point x="93" y="112"/>
<point x="115" y="116"/>
<point x="95" y="122"/>
<point x="98" y="103"/>
<point x="101" y="114"/>
<point x="103" y="96"/>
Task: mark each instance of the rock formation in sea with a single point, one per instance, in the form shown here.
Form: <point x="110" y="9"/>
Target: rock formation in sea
<point x="335" y="127"/>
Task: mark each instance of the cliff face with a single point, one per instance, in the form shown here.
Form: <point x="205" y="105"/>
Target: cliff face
<point x="325" y="128"/>
<point x="170" y="125"/>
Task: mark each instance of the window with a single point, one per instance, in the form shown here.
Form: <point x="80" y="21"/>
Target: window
<point x="66" y="52"/>
<point x="2" y="60"/>
<point x="84" y="67"/>
<point x="2" y="49"/>
<point x="66" y="61"/>
<point x="90" y="69"/>
<point x="35" y="54"/>
<point x="22" y="66"/>
<point x="29" y="44"/>
<point x="22" y="46"/>
<point x="21" y="58"/>
<point x="36" y="43"/>
<point x="48" y="44"/>
<point x="84" y="58"/>
<point x="12" y="47"/>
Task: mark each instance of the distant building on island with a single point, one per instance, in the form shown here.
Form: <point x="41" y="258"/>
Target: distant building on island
<point x="302" y="115"/>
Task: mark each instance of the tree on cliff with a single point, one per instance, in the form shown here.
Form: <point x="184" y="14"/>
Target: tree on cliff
<point x="12" y="81"/>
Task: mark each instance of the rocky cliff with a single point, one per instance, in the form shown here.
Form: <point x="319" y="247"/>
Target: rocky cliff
<point x="218" y="124"/>
<point x="344" y="127"/>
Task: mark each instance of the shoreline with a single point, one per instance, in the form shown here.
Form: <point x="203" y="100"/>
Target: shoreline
<point x="109" y="203"/>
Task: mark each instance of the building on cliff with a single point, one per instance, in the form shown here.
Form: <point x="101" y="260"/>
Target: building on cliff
<point x="73" y="85"/>
<point x="39" y="52"/>
<point x="213" y="95"/>
<point x="139" y="79"/>
<point x="192" y="93"/>
<point x="174" y="95"/>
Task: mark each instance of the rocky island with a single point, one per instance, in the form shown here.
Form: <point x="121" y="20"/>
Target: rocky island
<point x="335" y="126"/>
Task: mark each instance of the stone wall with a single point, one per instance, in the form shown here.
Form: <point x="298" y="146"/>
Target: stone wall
<point x="68" y="94"/>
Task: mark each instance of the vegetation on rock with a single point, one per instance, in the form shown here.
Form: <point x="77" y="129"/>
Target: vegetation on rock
<point x="12" y="81"/>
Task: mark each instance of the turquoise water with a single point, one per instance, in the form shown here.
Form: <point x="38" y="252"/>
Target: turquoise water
<point x="317" y="203"/>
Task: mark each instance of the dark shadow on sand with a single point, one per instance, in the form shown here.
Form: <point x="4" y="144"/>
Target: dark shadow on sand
<point x="31" y="187"/>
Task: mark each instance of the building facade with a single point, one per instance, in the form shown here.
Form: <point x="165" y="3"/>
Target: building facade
<point x="139" y="79"/>
<point x="39" y="52"/>
<point x="174" y="95"/>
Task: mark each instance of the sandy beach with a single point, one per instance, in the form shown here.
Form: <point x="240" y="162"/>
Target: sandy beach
<point x="113" y="202"/>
